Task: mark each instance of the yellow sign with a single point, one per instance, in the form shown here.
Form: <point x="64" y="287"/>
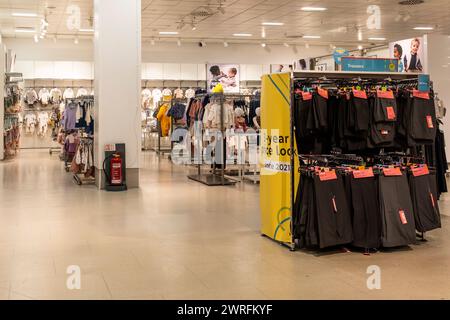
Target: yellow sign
<point x="275" y="157"/>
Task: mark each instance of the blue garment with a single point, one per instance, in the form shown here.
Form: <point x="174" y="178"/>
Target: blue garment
<point x="70" y="116"/>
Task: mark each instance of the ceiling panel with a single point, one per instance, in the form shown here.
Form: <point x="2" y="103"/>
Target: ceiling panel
<point x="338" y="24"/>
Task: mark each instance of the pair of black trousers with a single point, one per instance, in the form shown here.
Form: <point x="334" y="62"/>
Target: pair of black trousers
<point x="424" y="196"/>
<point x="397" y="213"/>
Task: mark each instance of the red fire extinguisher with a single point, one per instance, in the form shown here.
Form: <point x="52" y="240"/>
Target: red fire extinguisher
<point x="116" y="170"/>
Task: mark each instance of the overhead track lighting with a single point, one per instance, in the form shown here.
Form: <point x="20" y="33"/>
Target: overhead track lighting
<point x="86" y="30"/>
<point x="24" y="14"/>
<point x="273" y="24"/>
<point x="311" y="37"/>
<point x="423" y="28"/>
<point x="25" y="30"/>
<point x="313" y="9"/>
<point x="168" y="33"/>
<point x="242" y="34"/>
<point x="263" y="45"/>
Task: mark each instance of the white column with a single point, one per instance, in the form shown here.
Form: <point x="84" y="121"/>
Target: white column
<point x="2" y="99"/>
<point x="118" y="81"/>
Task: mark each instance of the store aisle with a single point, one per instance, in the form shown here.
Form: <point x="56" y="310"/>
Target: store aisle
<point x="175" y="238"/>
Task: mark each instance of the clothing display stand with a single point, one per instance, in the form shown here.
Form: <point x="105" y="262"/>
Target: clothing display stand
<point x="280" y="92"/>
<point x="213" y="178"/>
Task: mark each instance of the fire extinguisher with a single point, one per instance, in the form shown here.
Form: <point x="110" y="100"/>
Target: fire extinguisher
<point x="114" y="176"/>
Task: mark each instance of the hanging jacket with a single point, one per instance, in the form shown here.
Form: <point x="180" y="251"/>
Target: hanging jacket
<point x="164" y="120"/>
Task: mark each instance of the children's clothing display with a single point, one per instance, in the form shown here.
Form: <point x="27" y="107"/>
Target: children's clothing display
<point x="68" y="93"/>
<point x="81" y="92"/>
<point x="56" y="96"/>
<point x="31" y="97"/>
<point x="43" y="119"/>
<point x="30" y="120"/>
<point x="44" y="96"/>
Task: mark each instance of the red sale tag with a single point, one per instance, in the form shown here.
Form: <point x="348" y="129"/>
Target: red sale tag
<point x="361" y="174"/>
<point x="327" y="176"/>
<point x="392" y="172"/>
<point x="306" y="96"/>
<point x="420" y="171"/>
<point x="334" y="204"/>
<point x="430" y="122"/>
<point x="421" y="95"/>
<point x="390" y="113"/>
<point x="323" y="93"/>
<point x="385" y="94"/>
<point x="402" y="215"/>
<point x="432" y="200"/>
<point x="361" y="94"/>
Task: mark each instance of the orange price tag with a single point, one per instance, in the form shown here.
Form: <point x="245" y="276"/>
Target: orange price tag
<point x="306" y="96"/>
<point x="402" y="215"/>
<point x="361" y="174"/>
<point x="385" y="94"/>
<point x="392" y="172"/>
<point x="361" y="94"/>
<point x="323" y="93"/>
<point x="327" y="176"/>
<point x="430" y="122"/>
<point x="421" y="95"/>
<point x="390" y="113"/>
<point x="420" y="171"/>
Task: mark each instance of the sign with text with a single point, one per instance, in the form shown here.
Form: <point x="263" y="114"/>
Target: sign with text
<point x="361" y="64"/>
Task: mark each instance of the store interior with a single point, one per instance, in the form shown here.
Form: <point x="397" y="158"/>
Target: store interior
<point x="136" y="84"/>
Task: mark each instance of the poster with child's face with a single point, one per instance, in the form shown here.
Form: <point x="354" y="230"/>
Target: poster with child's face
<point x="226" y="75"/>
<point x="410" y="53"/>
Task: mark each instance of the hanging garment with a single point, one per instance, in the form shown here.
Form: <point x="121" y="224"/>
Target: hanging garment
<point x="56" y="96"/>
<point x="70" y="116"/>
<point x="178" y="93"/>
<point x="68" y="94"/>
<point x="30" y="122"/>
<point x="146" y="96"/>
<point x="164" y="120"/>
<point x="81" y="92"/>
<point x="422" y="121"/>
<point x="423" y="189"/>
<point x="31" y="97"/>
<point x="397" y="213"/>
<point x="43" y="119"/>
<point x="156" y="96"/>
<point x="190" y="93"/>
<point x="366" y="210"/>
<point x="177" y="111"/>
<point x="44" y="96"/>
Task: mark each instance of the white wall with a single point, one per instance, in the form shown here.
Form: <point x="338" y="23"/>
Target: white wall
<point x="438" y="52"/>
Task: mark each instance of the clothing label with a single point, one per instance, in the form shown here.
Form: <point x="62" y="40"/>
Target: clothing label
<point x="361" y="174"/>
<point x="420" y="171"/>
<point x="306" y="96"/>
<point x="323" y="93"/>
<point x="327" y="176"/>
<point x="392" y="172"/>
<point x="360" y="94"/>
<point x="334" y="204"/>
<point x="430" y="122"/>
<point x="432" y="200"/>
<point x="385" y="94"/>
<point x="390" y="113"/>
<point x="402" y="215"/>
<point x="421" y="95"/>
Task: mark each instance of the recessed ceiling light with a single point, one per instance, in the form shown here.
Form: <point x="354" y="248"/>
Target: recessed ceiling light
<point x="360" y="47"/>
<point x="263" y="45"/>
<point x="20" y="30"/>
<point x="311" y="37"/>
<point x="168" y="32"/>
<point x="225" y="44"/>
<point x="86" y="30"/>
<point x="273" y="24"/>
<point x="377" y="39"/>
<point x="24" y="14"/>
<point x="242" y="34"/>
<point x="312" y="9"/>
<point x="423" y="28"/>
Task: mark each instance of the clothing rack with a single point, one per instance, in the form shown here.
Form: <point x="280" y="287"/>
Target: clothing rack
<point x="214" y="179"/>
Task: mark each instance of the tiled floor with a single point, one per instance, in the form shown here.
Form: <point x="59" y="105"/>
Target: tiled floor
<point x="178" y="239"/>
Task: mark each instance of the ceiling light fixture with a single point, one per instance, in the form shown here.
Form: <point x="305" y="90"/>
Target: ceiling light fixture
<point x="36" y="39"/>
<point x="242" y="34"/>
<point x="377" y="39"/>
<point x="311" y="37"/>
<point x="360" y="35"/>
<point x="194" y="27"/>
<point x="86" y="30"/>
<point x="263" y="32"/>
<point x="19" y="30"/>
<point x="24" y="14"/>
<point x="313" y="9"/>
<point x="76" y="41"/>
<point x="360" y="47"/>
<point x="168" y="33"/>
<point x="273" y="24"/>
<point x="263" y="45"/>
<point x="286" y="44"/>
<point x="423" y="28"/>
<point x="225" y="44"/>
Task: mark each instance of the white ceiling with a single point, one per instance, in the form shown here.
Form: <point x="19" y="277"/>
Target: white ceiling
<point x="337" y="25"/>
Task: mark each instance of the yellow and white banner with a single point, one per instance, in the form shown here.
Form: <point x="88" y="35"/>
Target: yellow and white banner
<point x="275" y="186"/>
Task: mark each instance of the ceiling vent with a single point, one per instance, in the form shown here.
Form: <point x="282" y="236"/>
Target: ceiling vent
<point x="410" y="2"/>
<point x="202" y="12"/>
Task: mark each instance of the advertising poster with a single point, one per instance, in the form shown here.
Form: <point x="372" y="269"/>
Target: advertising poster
<point x="228" y="75"/>
<point x="410" y="53"/>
